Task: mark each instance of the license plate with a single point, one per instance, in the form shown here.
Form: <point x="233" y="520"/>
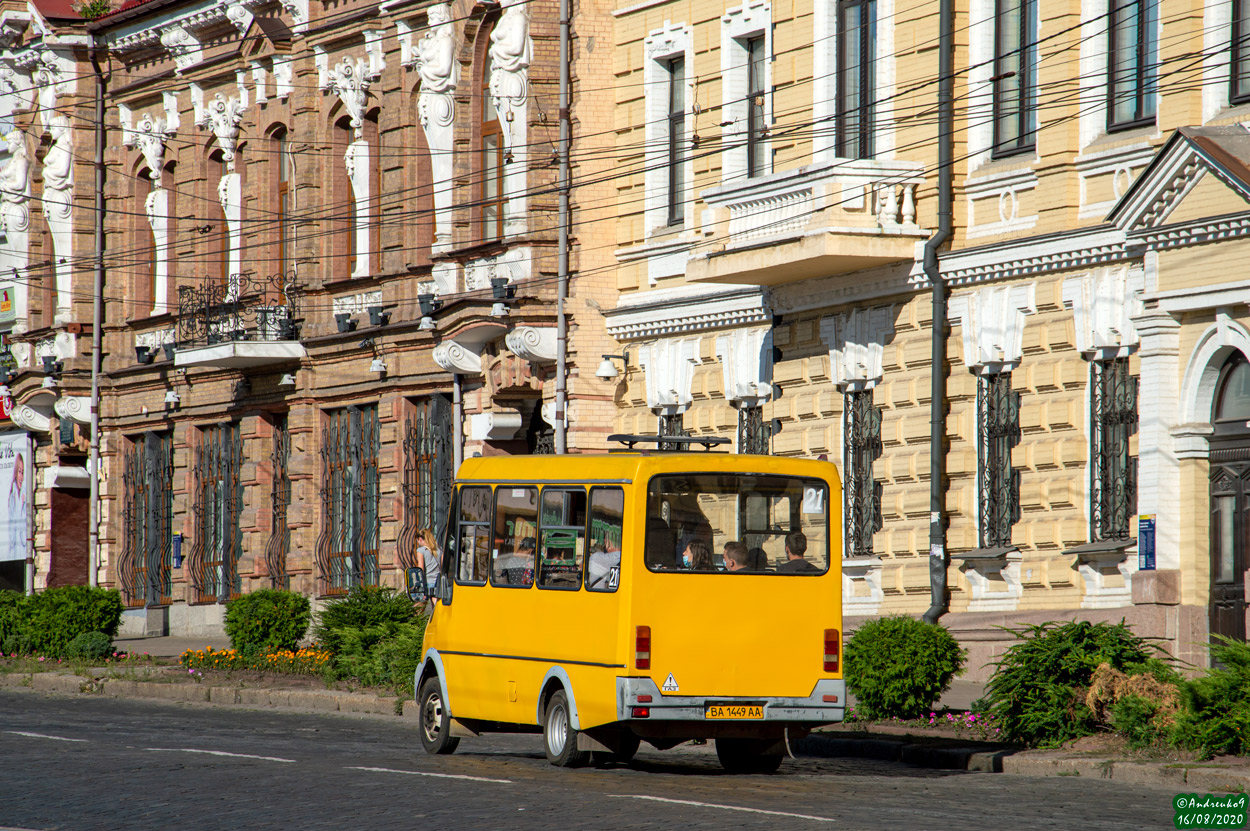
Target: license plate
<point x="734" y="711"/>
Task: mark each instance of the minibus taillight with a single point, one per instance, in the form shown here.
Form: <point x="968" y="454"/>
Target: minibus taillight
<point x="642" y="648"/>
<point x="832" y="639"/>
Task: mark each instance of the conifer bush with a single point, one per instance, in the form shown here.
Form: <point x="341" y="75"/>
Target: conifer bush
<point x="898" y="666"/>
<point x="1039" y="691"/>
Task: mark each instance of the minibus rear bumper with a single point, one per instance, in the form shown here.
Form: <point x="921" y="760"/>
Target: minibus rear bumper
<point x="825" y="705"/>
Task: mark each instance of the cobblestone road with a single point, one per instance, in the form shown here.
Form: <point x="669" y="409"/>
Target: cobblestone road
<point x="107" y="764"/>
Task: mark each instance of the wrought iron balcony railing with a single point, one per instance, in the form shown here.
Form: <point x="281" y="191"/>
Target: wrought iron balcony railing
<point x="244" y="308"/>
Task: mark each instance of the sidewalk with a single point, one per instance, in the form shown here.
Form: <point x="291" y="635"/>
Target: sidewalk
<point x="875" y="742"/>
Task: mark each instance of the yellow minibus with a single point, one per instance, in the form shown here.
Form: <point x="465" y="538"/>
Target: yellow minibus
<point x="644" y="595"/>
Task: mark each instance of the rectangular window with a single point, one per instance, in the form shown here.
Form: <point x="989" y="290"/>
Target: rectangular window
<point x="218" y="502"/>
<point x="757" y="165"/>
<point x="1015" y="53"/>
<point x="998" y="414"/>
<point x="1240" y="49"/>
<point x="562" y="539"/>
<point x="1113" y="471"/>
<point x="473" y="535"/>
<point x="857" y="49"/>
<point x="516" y="537"/>
<point x="862" y="491"/>
<point x="676" y="137"/>
<point x="730" y="522"/>
<point x="607" y="521"/>
<point x="1133" y="63"/>
<point x="754" y="433"/>
<point x="280" y="498"/>
<point x="348" y="551"/>
<point x="145" y="565"/>
<point x="427" y="472"/>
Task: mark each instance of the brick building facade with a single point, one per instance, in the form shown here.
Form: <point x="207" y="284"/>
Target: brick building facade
<point x="331" y="272"/>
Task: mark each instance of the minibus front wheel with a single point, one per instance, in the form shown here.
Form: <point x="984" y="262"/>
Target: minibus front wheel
<point x="435" y="720"/>
<point x="559" y="736"/>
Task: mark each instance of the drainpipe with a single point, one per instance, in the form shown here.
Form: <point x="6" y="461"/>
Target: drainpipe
<point x="562" y="243"/>
<point x="97" y="327"/>
<point x="938" y="557"/>
<point x="457" y="425"/>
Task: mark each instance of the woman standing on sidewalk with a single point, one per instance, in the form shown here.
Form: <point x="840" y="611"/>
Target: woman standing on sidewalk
<point x="428" y="558"/>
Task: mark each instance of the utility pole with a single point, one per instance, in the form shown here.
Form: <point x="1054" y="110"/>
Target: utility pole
<point x="562" y="242"/>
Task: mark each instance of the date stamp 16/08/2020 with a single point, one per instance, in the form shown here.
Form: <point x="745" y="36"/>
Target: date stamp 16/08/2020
<point x="1194" y="811"/>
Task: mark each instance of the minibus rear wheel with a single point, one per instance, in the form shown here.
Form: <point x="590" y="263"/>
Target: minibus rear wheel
<point x="747" y="756"/>
<point x="559" y="737"/>
<point x="435" y="720"/>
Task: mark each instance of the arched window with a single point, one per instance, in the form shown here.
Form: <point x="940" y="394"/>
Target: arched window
<point x="1232" y="399"/>
<point x="144" y="268"/>
<point x="283" y="177"/>
<point x="343" y="221"/>
<point x="217" y="249"/>
<point x="491" y="172"/>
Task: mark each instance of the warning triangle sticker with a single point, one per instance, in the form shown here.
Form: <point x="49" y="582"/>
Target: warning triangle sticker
<point x="670" y="684"/>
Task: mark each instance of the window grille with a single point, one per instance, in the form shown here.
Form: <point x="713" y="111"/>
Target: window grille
<point x="347" y="550"/>
<point x="427" y="473"/>
<point x="754" y="433"/>
<point x="998" y="414"/>
<point x="144" y="569"/>
<point x="1113" y="471"/>
<point x="214" y="562"/>
<point x="863" y="492"/>
<point x="279" y="545"/>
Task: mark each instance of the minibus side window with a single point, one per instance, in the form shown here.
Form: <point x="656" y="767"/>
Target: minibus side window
<point x="607" y="522"/>
<point x="562" y="539"/>
<point x="516" y="537"/>
<point x="473" y="534"/>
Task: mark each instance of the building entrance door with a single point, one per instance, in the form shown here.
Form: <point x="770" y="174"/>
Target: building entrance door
<point x="1230" y="499"/>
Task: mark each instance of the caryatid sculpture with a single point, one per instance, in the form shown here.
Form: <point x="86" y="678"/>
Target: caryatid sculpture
<point x="436" y="109"/>
<point x="15" y="217"/>
<point x="511" y="52"/>
<point x="58" y="210"/>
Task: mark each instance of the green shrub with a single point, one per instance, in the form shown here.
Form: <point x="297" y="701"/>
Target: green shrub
<point x="1134" y="718"/>
<point x="385" y="655"/>
<point x="898" y="666"/>
<point x="12" y="625"/>
<point x="362" y="608"/>
<point x="51" y="619"/>
<point x="268" y="620"/>
<point x="91" y="646"/>
<point x="1039" y="686"/>
<point x="1215" y="720"/>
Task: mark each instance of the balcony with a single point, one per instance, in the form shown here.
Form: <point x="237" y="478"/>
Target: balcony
<point x="247" y="322"/>
<point x="835" y="219"/>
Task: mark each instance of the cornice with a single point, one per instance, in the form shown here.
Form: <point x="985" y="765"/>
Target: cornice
<point x="689" y="312"/>
<point x="1060" y="252"/>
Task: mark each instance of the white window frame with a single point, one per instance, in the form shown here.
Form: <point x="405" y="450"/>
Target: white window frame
<point x="660" y="47"/>
<point x="825" y="81"/>
<point x="982" y="47"/>
<point x="1096" y="31"/>
<point x="752" y="19"/>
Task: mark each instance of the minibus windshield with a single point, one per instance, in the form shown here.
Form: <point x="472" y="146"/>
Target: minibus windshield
<point x="729" y="523"/>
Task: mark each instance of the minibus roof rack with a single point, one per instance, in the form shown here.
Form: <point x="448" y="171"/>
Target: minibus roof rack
<point x="675" y="443"/>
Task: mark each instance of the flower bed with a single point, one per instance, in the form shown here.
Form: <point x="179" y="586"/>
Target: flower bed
<point x="309" y="661"/>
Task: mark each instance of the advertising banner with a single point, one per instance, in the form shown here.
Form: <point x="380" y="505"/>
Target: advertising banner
<point x="16" y="476"/>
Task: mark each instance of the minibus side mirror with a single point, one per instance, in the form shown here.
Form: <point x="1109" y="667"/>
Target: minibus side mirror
<point x="417" y="591"/>
<point x="442" y="589"/>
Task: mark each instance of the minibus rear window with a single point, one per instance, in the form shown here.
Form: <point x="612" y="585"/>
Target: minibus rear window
<point x="738" y="523"/>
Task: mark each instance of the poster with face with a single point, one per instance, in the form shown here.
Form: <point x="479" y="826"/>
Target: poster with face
<point x="15" y="478"/>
